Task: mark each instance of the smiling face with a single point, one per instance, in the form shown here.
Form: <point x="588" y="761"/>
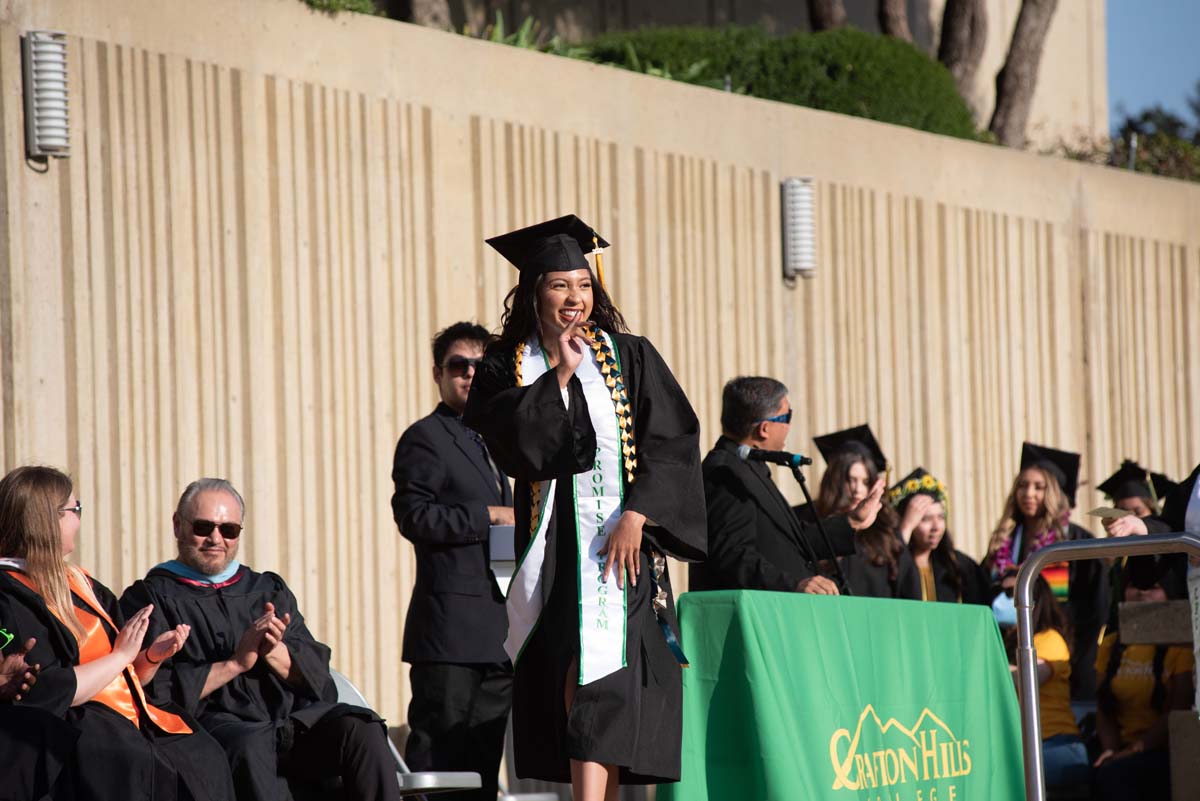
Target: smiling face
<point x="928" y="533"/>
<point x="211" y="552"/>
<point x="564" y="298"/>
<point x="1031" y="492"/>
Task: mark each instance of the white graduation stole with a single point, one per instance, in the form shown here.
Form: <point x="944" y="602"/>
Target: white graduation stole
<point x="598" y="495"/>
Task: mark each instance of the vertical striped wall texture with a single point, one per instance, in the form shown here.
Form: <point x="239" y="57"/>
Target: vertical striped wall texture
<point x="267" y="213"/>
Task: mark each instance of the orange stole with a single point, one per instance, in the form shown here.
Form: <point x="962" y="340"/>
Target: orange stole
<point x="117" y="696"/>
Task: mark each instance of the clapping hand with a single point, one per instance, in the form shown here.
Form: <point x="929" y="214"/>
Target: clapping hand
<point x="16" y="674"/>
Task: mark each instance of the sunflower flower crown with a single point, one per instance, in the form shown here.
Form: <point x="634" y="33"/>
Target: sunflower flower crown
<point x="915" y="484"/>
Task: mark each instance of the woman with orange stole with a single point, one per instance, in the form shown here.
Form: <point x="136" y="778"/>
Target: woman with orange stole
<point x="90" y="662"/>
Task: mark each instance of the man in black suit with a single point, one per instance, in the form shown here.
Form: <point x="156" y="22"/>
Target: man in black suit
<point x="755" y="540"/>
<point x="448" y="494"/>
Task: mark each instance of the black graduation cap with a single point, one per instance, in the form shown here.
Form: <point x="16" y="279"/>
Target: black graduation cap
<point x="917" y="482"/>
<point x="858" y="440"/>
<point x="1130" y="482"/>
<point x="1063" y="465"/>
<point x="549" y="246"/>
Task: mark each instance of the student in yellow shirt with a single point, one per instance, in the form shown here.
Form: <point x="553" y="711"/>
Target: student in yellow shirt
<point x="1139" y="686"/>
<point x="1064" y="754"/>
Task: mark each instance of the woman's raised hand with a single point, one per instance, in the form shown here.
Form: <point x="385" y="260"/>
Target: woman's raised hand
<point x="129" y="640"/>
<point x="167" y="644"/>
<point x="916" y="509"/>
<point x="571" y="347"/>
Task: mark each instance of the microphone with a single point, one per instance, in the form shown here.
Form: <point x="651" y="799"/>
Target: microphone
<point x="748" y="454"/>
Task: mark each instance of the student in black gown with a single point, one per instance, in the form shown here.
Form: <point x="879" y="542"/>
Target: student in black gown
<point x="561" y="404"/>
<point x="1037" y="513"/>
<point x="91" y="664"/>
<point x="883" y="567"/>
<point x="947" y="574"/>
<point x="251" y="672"/>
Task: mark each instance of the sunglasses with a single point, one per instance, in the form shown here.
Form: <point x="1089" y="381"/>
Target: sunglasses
<point x="458" y="366"/>
<point x="77" y="508"/>
<point x="786" y="418"/>
<point x="204" y="528"/>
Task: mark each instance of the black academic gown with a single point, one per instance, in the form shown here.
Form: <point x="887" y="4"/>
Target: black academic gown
<point x="970" y="574"/>
<point x="755" y="540"/>
<point x="37" y="750"/>
<point x="869" y="580"/>
<point x="255" y="716"/>
<point x="114" y="759"/>
<point x="633" y="717"/>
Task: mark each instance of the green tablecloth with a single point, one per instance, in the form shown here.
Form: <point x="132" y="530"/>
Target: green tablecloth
<point x="793" y="697"/>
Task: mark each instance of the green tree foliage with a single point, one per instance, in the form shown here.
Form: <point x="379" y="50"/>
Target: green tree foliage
<point x="844" y="70"/>
<point x="334" y="6"/>
<point x="1160" y="142"/>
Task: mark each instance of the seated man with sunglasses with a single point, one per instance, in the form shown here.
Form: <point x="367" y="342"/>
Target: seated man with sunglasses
<point x="449" y="493"/>
<point x="755" y="540"/>
<point x="250" y="671"/>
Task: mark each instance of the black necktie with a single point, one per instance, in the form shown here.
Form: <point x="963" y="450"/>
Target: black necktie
<point x="487" y="459"/>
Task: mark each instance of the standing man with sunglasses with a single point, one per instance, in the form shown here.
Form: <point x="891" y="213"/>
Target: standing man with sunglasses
<point x="449" y="493"/>
<point x="250" y="671"/>
<point x="755" y="540"/>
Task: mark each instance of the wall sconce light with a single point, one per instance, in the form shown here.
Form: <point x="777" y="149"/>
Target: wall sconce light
<point x="799" y="226"/>
<point x="47" y="127"/>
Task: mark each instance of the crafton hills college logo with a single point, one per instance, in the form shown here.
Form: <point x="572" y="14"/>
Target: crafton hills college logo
<point x="892" y="762"/>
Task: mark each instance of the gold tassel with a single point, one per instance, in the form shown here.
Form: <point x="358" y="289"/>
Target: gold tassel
<point x="599" y="260"/>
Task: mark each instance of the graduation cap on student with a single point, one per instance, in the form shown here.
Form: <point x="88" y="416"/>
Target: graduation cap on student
<point x="858" y="440"/>
<point x="1062" y="465"/>
<point x="551" y="246"/>
<point x="1131" y="481"/>
<point x="917" y="482"/>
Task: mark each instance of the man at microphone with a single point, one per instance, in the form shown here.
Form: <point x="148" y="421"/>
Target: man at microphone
<point x="755" y="540"/>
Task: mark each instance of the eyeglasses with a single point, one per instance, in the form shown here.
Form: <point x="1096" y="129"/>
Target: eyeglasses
<point x="204" y="528"/>
<point x="785" y="418"/>
<point x="458" y="366"/>
<point x="77" y="508"/>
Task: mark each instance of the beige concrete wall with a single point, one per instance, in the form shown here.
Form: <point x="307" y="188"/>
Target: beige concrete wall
<point x="1070" y="104"/>
<point x="267" y="213"/>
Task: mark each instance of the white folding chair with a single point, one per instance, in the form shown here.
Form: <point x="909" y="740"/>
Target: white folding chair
<point x="416" y="784"/>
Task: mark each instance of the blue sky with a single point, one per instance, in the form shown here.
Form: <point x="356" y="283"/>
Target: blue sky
<point x="1153" y="54"/>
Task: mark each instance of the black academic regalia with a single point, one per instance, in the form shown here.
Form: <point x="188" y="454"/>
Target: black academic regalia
<point x="633" y="717"/>
<point x="869" y="580"/>
<point x="114" y="759"/>
<point x="755" y="540"/>
<point x="256" y="715"/>
<point x="37" y="750"/>
<point x="974" y="582"/>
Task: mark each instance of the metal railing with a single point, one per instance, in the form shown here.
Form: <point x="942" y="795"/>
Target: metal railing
<point x="1027" y="683"/>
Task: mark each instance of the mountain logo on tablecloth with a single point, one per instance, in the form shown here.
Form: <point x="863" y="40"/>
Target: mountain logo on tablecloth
<point x="918" y="762"/>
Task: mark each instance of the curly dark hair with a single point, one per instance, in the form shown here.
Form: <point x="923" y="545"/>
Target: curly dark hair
<point x="521" y="320"/>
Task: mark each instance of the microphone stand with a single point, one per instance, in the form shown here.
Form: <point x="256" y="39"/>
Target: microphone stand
<point x="840" y="579"/>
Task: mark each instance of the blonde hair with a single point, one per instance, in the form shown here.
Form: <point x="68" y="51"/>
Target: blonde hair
<point x="30" y="499"/>
<point x="1053" y="514"/>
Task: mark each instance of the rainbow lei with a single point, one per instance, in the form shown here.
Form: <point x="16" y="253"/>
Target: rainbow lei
<point x="1004" y="555"/>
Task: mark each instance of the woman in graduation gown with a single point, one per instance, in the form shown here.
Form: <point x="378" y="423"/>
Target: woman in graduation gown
<point x="605" y="449"/>
<point x="882" y="568"/>
<point x="1036" y="514"/>
<point x="947" y="574"/>
<point x="91" y="661"/>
